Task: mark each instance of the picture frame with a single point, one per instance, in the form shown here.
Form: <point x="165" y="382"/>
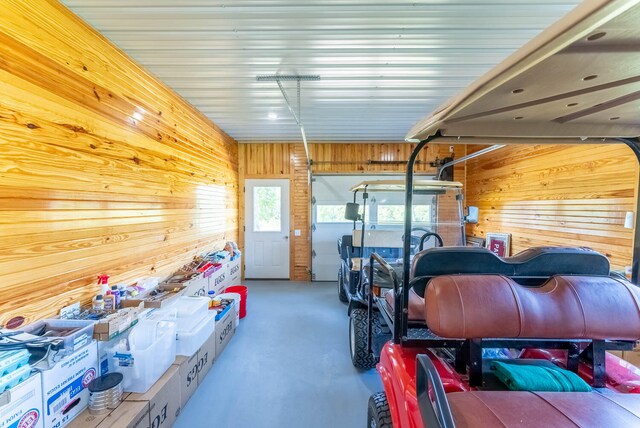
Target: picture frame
<point x="499" y="243"/>
<point x="475" y="241"/>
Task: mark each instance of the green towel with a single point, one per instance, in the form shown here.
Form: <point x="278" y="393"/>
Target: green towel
<point x="523" y="377"/>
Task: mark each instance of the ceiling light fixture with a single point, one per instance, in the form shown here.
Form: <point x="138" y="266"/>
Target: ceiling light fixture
<point x="272" y="116"/>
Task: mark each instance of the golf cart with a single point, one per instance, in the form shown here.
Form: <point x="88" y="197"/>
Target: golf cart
<point x="484" y="341"/>
<point x="439" y="222"/>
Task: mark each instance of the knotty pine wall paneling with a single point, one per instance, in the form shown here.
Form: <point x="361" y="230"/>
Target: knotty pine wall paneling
<point x="86" y="187"/>
<point x="573" y="195"/>
<point x="282" y="160"/>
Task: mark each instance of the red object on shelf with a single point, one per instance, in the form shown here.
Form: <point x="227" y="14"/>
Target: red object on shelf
<point x="205" y="267"/>
<point x="243" y="292"/>
<point x="209" y="269"/>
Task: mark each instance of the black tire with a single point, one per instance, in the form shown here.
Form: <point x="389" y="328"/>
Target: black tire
<point x="378" y="415"/>
<point x="342" y="295"/>
<point x="360" y="356"/>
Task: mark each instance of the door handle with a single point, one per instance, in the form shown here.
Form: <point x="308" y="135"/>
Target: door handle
<point x="286" y="237"/>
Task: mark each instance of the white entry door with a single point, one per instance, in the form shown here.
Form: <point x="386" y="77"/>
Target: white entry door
<point x="266" y="237"/>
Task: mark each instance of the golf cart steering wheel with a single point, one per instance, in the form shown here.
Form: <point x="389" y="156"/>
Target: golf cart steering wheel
<point x="415" y="240"/>
<point x="427" y="236"/>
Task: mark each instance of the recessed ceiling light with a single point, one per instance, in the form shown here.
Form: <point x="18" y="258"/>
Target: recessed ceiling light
<point x="272" y="116"/>
<point x="137" y="116"/>
<point x="596" y="36"/>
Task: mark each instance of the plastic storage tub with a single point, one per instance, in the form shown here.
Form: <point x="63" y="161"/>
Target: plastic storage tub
<point x="150" y="352"/>
<point x="190" y="340"/>
<point x="188" y="311"/>
<point x="236" y="302"/>
<point x="73" y="341"/>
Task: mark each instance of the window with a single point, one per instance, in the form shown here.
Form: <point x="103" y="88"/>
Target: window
<point x="267" y="209"/>
<point x="394" y="214"/>
<point x="330" y="214"/>
<point x="333" y="214"/>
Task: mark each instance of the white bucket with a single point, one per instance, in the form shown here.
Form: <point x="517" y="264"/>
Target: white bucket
<point x="236" y="303"/>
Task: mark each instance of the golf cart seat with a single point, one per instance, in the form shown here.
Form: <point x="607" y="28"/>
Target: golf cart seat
<point x="346" y="249"/>
<point x="565" y="307"/>
<point x="480" y="409"/>
<point x="530" y="267"/>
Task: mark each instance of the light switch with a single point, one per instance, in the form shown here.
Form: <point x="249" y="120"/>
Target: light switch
<point x="628" y="220"/>
<point x="297" y="232"/>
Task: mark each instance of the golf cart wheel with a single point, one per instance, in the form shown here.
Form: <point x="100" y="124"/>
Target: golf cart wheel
<point x="360" y="356"/>
<point x="342" y="295"/>
<point x="378" y="415"/>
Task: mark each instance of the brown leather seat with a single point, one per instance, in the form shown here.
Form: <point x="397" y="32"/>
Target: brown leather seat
<point x="480" y="409"/>
<point x="416" y="305"/>
<point x="569" y="307"/>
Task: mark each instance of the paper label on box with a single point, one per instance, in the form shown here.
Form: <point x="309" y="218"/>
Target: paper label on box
<point x="23" y="405"/>
<point x="59" y="401"/>
<point x="28" y="420"/>
<point x="65" y="386"/>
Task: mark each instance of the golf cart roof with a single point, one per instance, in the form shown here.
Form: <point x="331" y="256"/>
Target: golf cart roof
<point x="578" y="81"/>
<point x="399" y="185"/>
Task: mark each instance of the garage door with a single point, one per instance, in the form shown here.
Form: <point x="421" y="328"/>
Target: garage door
<point x="330" y="193"/>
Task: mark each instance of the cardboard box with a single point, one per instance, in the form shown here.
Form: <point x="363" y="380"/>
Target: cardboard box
<point x="21" y="406"/>
<point x="234" y="271"/>
<point x="129" y="414"/>
<point x="188" y="369"/>
<point x="218" y="280"/>
<point x="206" y="357"/>
<point x="198" y="286"/>
<point x="64" y="386"/>
<point x="117" y="323"/>
<point x="164" y="403"/>
<point x="156" y="303"/>
<point x="193" y="369"/>
<point x="225" y="329"/>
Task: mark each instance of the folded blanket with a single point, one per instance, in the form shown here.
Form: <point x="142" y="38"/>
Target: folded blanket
<point x="523" y="377"/>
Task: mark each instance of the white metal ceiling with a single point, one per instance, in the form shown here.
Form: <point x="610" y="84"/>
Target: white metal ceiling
<point x="384" y="64"/>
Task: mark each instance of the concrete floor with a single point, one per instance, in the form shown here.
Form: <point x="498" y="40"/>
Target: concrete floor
<point x="288" y="365"/>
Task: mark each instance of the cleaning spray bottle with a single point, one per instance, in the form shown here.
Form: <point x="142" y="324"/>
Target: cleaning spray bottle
<point x="103" y="282"/>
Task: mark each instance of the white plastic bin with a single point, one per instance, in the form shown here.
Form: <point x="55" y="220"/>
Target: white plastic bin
<point x="150" y="352"/>
<point x="236" y="302"/>
<point x="189" y="341"/>
<point x="188" y="311"/>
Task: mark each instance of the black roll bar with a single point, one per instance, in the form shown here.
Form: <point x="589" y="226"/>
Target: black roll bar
<point x="634" y="145"/>
<point x="434" y="413"/>
<point x="388" y="269"/>
<point x="401" y="298"/>
<point x="401" y="301"/>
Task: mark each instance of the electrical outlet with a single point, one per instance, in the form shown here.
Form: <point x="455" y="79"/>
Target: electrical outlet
<point x="297" y="232"/>
<point x="627" y="270"/>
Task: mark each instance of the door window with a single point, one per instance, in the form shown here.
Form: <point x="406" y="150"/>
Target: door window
<point x="267" y="209"/>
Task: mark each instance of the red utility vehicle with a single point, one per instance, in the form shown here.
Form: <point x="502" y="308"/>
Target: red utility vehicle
<point x="457" y="313"/>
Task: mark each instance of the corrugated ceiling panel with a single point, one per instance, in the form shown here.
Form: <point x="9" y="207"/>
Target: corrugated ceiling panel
<point x="383" y="64"/>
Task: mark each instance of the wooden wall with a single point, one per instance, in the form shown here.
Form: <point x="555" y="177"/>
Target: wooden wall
<point x="557" y="195"/>
<point x="86" y="188"/>
<point x="288" y="160"/>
